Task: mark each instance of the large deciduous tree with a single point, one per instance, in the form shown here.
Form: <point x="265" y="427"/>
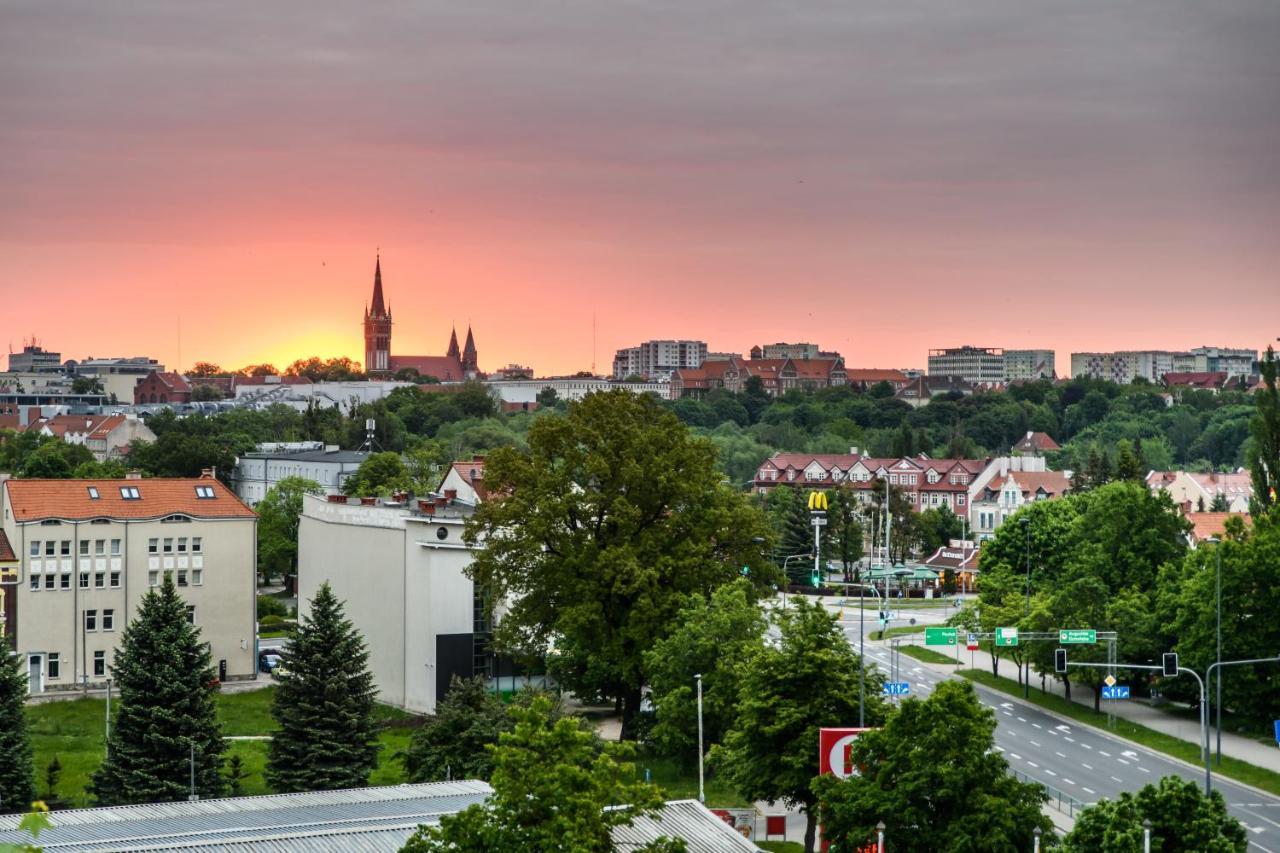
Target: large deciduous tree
<point x="1183" y="820"/>
<point x="844" y="541"/>
<point x="786" y="693"/>
<point x="17" y="783"/>
<point x="167" y="712"/>
<point x="554" y="789"/>
<point x="324" y="705"/>
<point x="597" y="534"/>
<point x="278" y="514"/>
<point x="931" y="775"/>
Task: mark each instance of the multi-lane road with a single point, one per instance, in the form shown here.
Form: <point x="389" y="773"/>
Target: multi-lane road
<point x="1082" y="762"/>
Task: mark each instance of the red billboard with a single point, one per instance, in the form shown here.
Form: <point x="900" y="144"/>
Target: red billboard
<point x="833" y="751"/>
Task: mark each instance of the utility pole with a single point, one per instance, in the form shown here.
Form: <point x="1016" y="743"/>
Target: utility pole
<point x="1026" y="676"/>
<point x="702" y="794"/>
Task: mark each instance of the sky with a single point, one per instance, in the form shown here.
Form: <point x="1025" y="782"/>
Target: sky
<point x="212" y="181"/>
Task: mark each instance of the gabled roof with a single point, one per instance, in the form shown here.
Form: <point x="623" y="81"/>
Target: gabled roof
<point x="1207" y="524"/>
<point x="442" y="367"/>
<point x="873" y="375"/>
<point x="173" y="381"/>
<point x="472" y="473"/>
<point x="71" y="500"/>
<point x="1203" y="379"/>
<point x="6" y="550"/>
<point x="96" y="426"/>
<point x="1036" y="441"/>
<point x="1050" y="482"/>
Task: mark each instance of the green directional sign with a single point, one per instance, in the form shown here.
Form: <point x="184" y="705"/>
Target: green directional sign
<point x="1077" y="635"/>
<point x="940" y="636"/>
<point x="1006" y="636"/>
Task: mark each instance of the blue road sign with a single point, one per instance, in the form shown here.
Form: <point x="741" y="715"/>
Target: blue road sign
<point x="1277" y="732"/>
<point x="897" y="688"/>
<point x="1120" y="691"/>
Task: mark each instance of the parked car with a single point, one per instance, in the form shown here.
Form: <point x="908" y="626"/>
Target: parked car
<point x="268" y="661"/>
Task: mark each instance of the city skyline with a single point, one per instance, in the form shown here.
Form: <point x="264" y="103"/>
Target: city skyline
<point x="879" y="181"/>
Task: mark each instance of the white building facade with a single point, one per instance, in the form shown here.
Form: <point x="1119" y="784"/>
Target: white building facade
<point x="257" y="472"/>
<point x="657" y="360"/>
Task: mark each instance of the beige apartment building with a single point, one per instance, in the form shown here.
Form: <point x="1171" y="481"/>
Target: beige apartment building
<point x="87" y="551"/>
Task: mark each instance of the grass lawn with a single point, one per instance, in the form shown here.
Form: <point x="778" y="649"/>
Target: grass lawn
<point x="1233" y="768"/>
<point x="896" y="631"/>
<point x="73" y="730"/>
<point x="920" y="653"/>
<point x="681" y="782"/>
<point x="781" y="846"/>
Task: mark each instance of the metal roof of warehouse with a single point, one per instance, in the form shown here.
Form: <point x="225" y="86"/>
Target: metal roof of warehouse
<point x="364" y="819"/>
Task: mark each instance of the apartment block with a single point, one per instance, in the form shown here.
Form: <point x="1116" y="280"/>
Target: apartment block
<point x="657" y="360"/>
<point x="977" y="365"/>
<point x="1028" y="364"/>
<point x="88" y="551"/>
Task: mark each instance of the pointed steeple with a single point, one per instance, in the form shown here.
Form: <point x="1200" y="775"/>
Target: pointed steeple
<point x="470" y="361"/>
<point x="378" y="308"/>
<point x="470" y="348"/>
<point x="454" y="352"/>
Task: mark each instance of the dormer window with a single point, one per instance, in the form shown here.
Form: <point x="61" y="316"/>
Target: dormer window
<point x="130" y="493"/>
<point x="205" y="492"/>
<point x="93" y="493"/>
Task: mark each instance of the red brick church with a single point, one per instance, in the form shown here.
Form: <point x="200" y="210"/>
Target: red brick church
<point x="453" y="366"/>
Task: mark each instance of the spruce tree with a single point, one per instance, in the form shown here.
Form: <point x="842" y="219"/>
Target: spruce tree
<point x="17" y="780"/>
<point x="165" y="680"/>
<point x="324" y="705"/>
<point x="1264" y="453"/>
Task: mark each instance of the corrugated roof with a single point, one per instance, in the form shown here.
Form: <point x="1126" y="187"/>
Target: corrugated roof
<point x="71" y="500"/>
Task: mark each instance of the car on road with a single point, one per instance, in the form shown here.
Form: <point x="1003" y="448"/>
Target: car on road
<point x="268" y="661"/>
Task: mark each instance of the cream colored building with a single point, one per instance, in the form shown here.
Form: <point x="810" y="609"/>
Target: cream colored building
<point x="88" y="552"/>
<point x="399" y="570"/>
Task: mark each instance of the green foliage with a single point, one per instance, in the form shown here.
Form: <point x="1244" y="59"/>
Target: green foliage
<point x="961" y="794"/>
<point x="17" y="782"/>
<point x="324" y="705"/>
<point x="379" y="474"/>
<point x="163" y="674"/>
<point x="606" y="524"/>
<point x="554" y="789"/>
<point x="340" y="369"/>
<point x="1264" y="453"/>
<point x="453" y="742"/>
<point x="235" y="775"/>
<point x="33" y="823"/>
<point x="788" y="515"/>
<point x="278" y="514"/>
<point x="1183" y="820"/>
<point x="844" y="534"/>
<point x="712" y="638"/>
<point x="786" y="693"/>
<point x="269" y="606"/>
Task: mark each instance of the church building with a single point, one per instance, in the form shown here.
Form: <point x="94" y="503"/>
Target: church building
<point x="454" y="366"/>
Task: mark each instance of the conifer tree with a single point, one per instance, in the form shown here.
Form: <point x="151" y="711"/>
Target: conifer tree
<point x="164" y="674"/>
<point x="324" y="705"/>
<point x="17" y="782"/>
<point x="1264" y="455"/>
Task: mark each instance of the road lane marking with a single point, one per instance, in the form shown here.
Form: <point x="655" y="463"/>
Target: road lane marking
<point x="1117" y="779"/>
<point x="1037" y="725"/>
<point x="1085" y="766"/>
<point x="1088" y="790"/>
<point x="1068" y="781"/>
<point x="1104" y="752"/>
<point x="1022" y="719"/>
<point x="1068" y="740"/>
<point x="1086" y="746"/>
<point x="1033" y="743"/>
<point x="1033" y="764"/>
<point x="1122" y="761"/>
<point x="1050" y="772"/>
<point x="1059" y="754"/>
<point x="1143" y="769"/>
<point x="1015" y="755"/>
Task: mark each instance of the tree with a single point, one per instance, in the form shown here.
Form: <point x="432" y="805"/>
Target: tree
<point x="711" y="638"/>
<point x="165" y="680"/>
<point x="1183" y="820"/>
<point x="1220" y="503"/>
<point x="786" y="693"/>
<point x="265" y="369"/>
<point x="408" y="374"/>
<point x="453" y="742"/>
<point x="278" y="514"/>
<point x="204" y="369"/>
<point x="598" y="533"/>
<point x="1128" y="466"/>
<point x="86" y="385"/>
<point x="17" y="782"/>
<point x="935" y="527"/>
<point x="379" y="474"/>
<point x="327" y="738"/>
<point x="52" y="777"/>
<point x="554" y="789"/>
<point x="236" y="774"/>
<point x="789" y="517"/>
<point x="844" y="530"/>
<point x="1264" y="455"/>
<point x="204" y="392"/>
<point x="960" y="797"/>
<point x="547" y="398"/>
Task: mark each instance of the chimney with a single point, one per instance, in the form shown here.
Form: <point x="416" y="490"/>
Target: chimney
<point x="451" y="494"/>
<point x="853" y="451"/>
<point x="369" y="501"/>
<point x="133" y="474"/>
<point x="441" y="500"/>
<point x="337" y="499"/>
<point x="427" y="507"/>
<point x="208" y="473"/>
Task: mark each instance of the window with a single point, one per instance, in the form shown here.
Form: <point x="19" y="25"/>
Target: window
<point x="153" y="579"/>
<point x="50" y="548"/>
<point x="65" y="583"/>
<point x="55" y="666"/>
<point x="99" y="547"/>
<point x="93" y="493"/>
<point x="205" y="492"/>
<point x="65" y="550"/>
<point x="84" y="547"/>
<point x="191" y="614"/>
<point x="91" y="620"/>
<point x="35" y="581"/>
<point x="130" y="493"/>
<point x="196" y="545"/>
<point x="84" y="580"/>
<point x="153" y="546"/>
<point x="35" y="548"/>
<point x="168" y="546"/>
<point x="115" y="580"/>
<point x="115" y="547"/>
<point x="108" y="620"/>
<point x="99" y="663"/>
<point x="182" y="544"/>
<point x="100" y="580"/>
<point x="182" y="577"/>
<point x="197" y="577"/>
<point x="959" y="500"/>
<point x="50" y="581"/>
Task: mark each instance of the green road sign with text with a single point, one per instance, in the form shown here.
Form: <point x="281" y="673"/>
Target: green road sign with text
<point x="1006" y="636"/>
<point x="940" y="636"/>
<point x="1077" y="635"/>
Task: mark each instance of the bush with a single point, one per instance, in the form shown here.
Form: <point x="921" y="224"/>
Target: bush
<point x="271" y="622"/>
<point x="269" y="605"/>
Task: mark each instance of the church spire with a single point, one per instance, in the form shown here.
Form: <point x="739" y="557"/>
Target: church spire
<point x="454" y="352"/>
<point x="378" y="308"/>
<point x="470" y="360"/>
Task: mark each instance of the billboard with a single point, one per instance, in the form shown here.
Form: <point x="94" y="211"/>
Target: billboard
<point x="833" y="751"/>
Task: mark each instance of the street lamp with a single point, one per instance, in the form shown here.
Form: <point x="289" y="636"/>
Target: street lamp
<point x="880" y="837"/>
<point x="1217" y="550"/>
<point x="1025" y="521"/>
<point x="786" y="579"/>
<point x="1035" y="839"/>
<point x="1146" y="835"/>
<point x="702" y="794"/>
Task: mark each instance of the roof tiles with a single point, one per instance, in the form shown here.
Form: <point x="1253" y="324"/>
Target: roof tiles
<point x="71" y="500"/>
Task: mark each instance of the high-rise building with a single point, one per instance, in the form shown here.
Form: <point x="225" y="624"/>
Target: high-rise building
<point x="1233" y="362"/>
<point x="1028" y="364"/>
<point x="657" y="360"/>
<point x="972" y="364"/>
<point x="35" y="359"/>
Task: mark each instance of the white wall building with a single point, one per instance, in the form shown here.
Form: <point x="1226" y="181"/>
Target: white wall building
<point x="973" y="364"/>
<point x="117" y="375"/>
<point x="330" y="467"/>
<point x="569" y="387"/>
<point x="658" y="359"/>
<point x="343" y="395"/>
<point x="1028" y="364"/>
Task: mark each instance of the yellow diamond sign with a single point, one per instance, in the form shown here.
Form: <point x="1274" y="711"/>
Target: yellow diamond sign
<point x="1110" y="681"/>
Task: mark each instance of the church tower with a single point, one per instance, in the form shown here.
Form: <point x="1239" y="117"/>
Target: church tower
<point x="470" y="361"/>
<point x="377" y="329"/>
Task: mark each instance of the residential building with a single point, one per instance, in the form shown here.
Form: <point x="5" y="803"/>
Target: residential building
<point x="1125" y="366"/>
<point x="117" y="376"/>
<point x="1201" y="381"/>
<point x="919" y="391"/>
<point x="106" y="436"/>
<point x="657" y="360"/>
<point x="1190" y="490"/>
<point x="777" y="376"/>
<point x="1000" y="496"/>
<point x="976" y="365"/>
<point x="35" y="359"/>
<point x="162" y="388"/>
<point x="454" y="366"/>
<point x="399" y="566"/>
<point x="258" y="472"/>
<point x="799" y="352"/>
<point x="513" y="371"/>
<point x="91" y="549"/>
<point x="866" y="378"/>
<point x="10" y="576"/>
<point x="522" y="391"/>
<point x="1211" y="525"/>
<point x="1233" y="362"/>
<point x="1028" y="364"/>
<point x="1034" y="444"/>
<point x="465" y="479"/>
<point x="374" y="819"/>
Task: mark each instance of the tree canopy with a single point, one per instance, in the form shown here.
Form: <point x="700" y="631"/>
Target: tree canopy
<point x="1183" y="820"/>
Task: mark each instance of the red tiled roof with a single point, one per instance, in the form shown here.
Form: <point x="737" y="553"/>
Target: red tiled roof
<point x="97" y="426"/>
<point x="872" y="375"/>
<point x="472" y="472"/>
<point x="173" y="380"/>
<point x="1207" y="524"/>
<point x="6" y="550"/>
<point x="442" y="367"/>
<point x="1053" y="482"/>
<point x="33" y="500"/>
<point x="1202" y="379"/>
<point x="1037" y="441"/>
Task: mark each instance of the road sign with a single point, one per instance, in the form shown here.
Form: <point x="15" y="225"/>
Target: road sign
<point x="1118" y="691"/>
<point x="897" y="688"/>
<point x="1077" y="635"/>
<point x="973" y="642"/>
<point x="1006" y="636"/>
<point x="819" y="521"/>
<point x="940" y="636"/>
<point x="1277" y="732"/>
<point x="833" y="751"/>
<point x="1110" y="680"/>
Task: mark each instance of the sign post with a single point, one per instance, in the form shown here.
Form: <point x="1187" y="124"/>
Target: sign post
<point x="1006" y="636"/>
<point x="940" y="636"/>
<point x="1077" y="635"/>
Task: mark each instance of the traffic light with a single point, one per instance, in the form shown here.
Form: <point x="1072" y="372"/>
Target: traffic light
<point x="1059" y="660"/>
<point x="746" y="571"/>
<point x="814" y="580"/>
<point x="1170" y="664"/>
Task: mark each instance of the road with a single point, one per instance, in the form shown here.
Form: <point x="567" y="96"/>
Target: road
<point x="1082" y="762"/>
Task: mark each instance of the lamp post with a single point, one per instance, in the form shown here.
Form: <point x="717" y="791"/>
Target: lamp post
<point x="880" y="837"/>
<point x="1035" y="839"/>
<point x="786" y="579"/>
<point x="1025" y="521"/>
<point x="1146" y="835"/>
<point x="702" y="794"/>
<point x="1217" y="550"/>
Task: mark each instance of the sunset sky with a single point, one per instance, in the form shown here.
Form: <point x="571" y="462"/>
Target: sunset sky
<point x="876" y="176"/>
